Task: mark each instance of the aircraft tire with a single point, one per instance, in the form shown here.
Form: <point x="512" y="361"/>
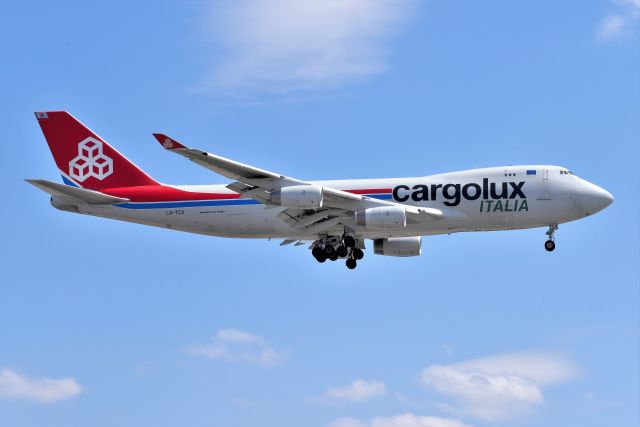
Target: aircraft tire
<point x="342" y="251"/>
<point x="351" y="263"/>
<point x="549" y="245"/>
<point x="317" y="251"/>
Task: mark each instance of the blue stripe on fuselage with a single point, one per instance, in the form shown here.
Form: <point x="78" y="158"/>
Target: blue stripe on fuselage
<point x="189" y="204"/>
<point x="200" y="203"/>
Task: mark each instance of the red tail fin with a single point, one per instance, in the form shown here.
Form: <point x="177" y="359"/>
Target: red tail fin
<point x="85" y="159"/>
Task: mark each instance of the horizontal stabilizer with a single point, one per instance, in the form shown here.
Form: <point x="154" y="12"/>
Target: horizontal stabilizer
<point x="82" y="195"/>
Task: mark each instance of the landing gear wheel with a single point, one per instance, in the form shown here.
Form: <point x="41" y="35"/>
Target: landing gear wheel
<point x="351" y="263"/>
<point x="317" y="251"/>
<point x="358" y="254"/>
<point x="321" y="258"/>
<point x="349" y="242"/>
<point x="550" y="245"/>
<point x="342" y="251"/>
<point x="333" y="257"/>
<point x="328" y="250"/>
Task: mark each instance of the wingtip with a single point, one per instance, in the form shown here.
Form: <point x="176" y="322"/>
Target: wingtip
<point x="167" y="142"/>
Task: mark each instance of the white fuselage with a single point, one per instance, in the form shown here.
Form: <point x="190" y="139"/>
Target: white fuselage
<point x="499" y="198"/>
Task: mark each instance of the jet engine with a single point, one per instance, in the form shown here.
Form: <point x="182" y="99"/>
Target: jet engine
<point x="398" y="246"/>
<point x="382" y="218"/>
<point x="298" y="197"/>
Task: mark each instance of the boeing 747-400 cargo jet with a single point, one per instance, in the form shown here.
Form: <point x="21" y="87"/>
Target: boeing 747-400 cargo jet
<point x="334" y="217"/>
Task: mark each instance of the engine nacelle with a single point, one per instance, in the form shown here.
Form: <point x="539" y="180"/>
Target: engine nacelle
<point x="398" y="246"/>
<point x="298" y="197"/>
<point x="382" y="218"/>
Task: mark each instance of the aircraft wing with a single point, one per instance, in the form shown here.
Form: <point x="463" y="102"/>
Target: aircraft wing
<point x="258" y="184"/>
<point x="229" y="168"/>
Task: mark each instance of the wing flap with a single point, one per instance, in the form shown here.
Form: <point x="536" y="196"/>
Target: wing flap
<point x="323" y="226"/>
<point x="250" y="191"/>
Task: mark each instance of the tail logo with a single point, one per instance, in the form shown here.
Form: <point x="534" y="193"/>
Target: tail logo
<point x="90" y="161"/>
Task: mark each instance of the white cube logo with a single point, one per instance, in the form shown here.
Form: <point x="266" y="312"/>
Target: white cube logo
<point x="90" y="161"/>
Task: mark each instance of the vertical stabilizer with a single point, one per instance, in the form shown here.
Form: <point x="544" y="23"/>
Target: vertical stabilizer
<point x="84" y="159"/>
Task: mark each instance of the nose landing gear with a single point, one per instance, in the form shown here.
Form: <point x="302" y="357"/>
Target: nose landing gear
<point x="550" y="244"/>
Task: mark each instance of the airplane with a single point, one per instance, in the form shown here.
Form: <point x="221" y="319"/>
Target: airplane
<point x="333" y="217"/>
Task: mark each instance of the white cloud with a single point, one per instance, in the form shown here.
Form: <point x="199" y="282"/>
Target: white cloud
<point x="499" y="387"/>
<point x="288" y="45"/>
<point x="358" y="391"/>
<point x="620" y="24"/>
<point x="233" y="345"/>
<point x="412" y="420"/>
<point x="612" y="27"/>
<point x="16" y="386"/>
<point x="235" y="335"/>
<point x="402" y="420"/>
<point x="347" y="422"/>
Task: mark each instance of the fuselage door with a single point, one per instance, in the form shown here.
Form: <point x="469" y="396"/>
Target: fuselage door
<point x="546" y="193"/>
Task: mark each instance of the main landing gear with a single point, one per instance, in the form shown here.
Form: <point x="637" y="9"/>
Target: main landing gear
<point x="550" y="244"/>
<point x="334" y="248"/>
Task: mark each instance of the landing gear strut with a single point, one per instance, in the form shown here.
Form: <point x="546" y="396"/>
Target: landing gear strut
<point x="550" y="244"/>
<point x="349" y="242"/>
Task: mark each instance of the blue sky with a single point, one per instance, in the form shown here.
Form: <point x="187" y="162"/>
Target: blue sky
<point x="105" y="323"/>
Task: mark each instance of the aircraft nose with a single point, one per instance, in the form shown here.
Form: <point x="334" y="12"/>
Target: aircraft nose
<point x="594" y="198"/>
